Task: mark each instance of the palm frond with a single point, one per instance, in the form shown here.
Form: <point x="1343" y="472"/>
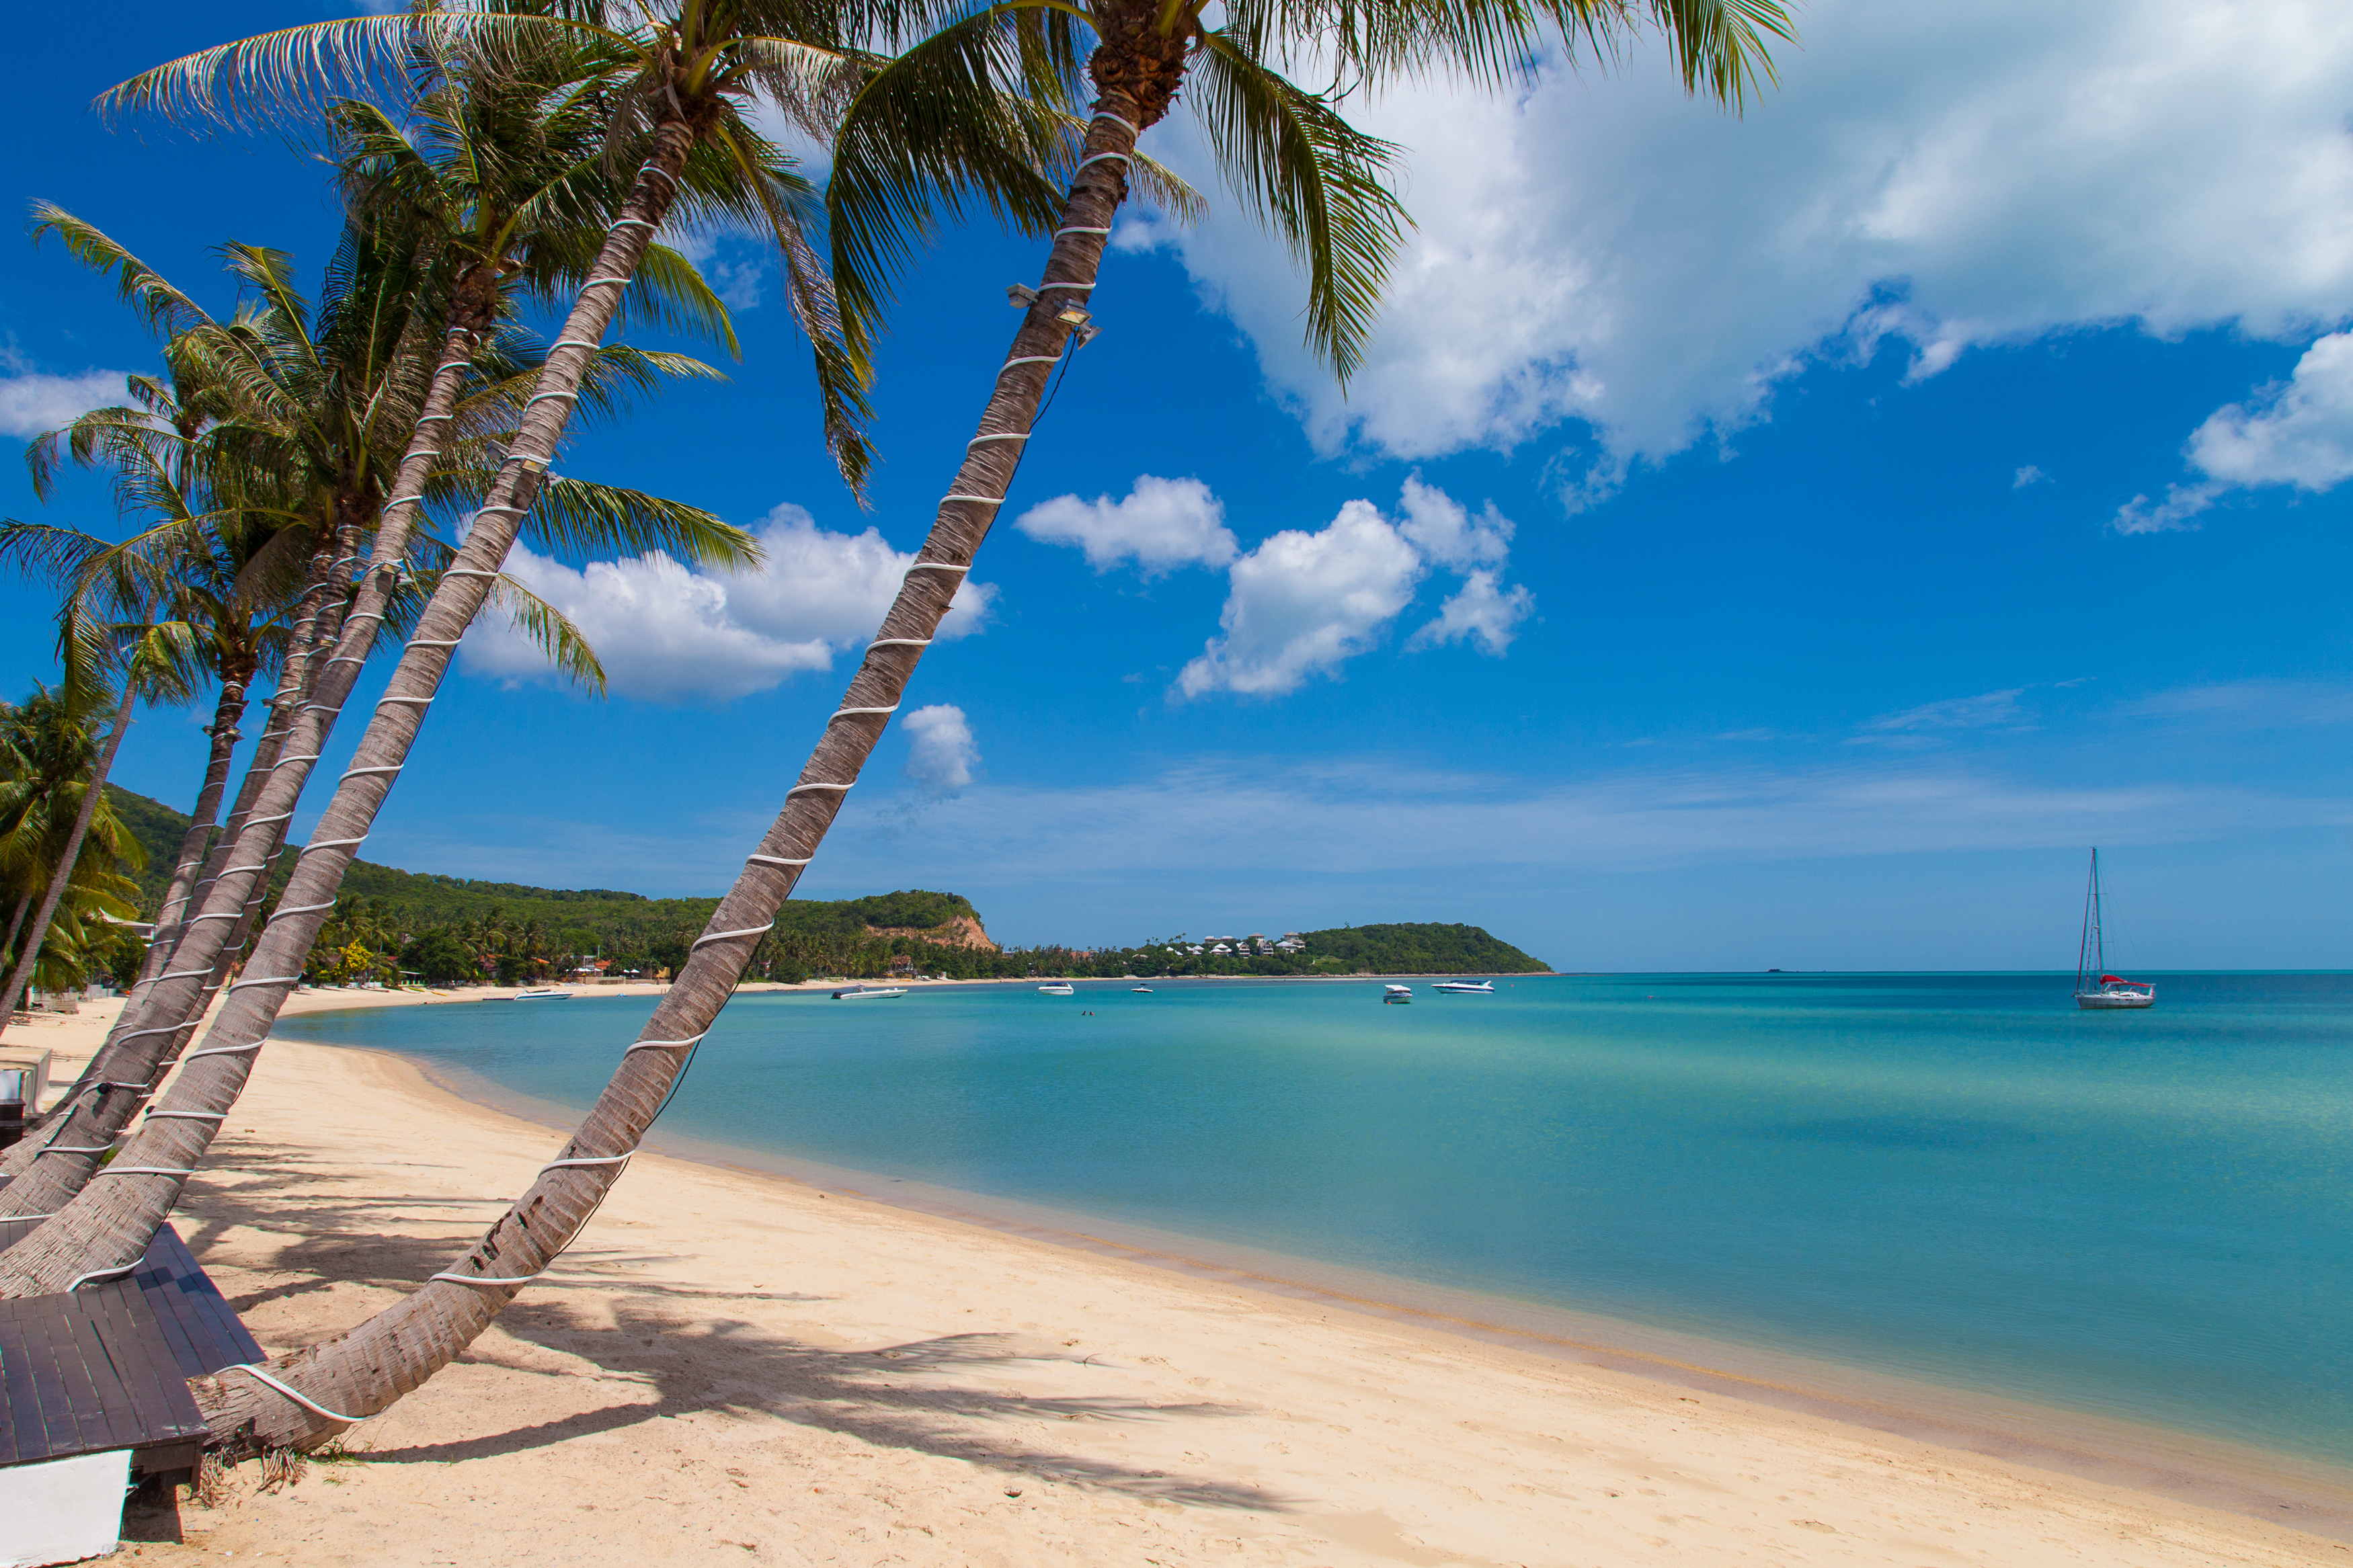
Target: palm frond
<point x="1316" y="180"/>
<point x="159" y="306"/>
<point x="578" y="517"/>
<point x="552" y="632"/>
<point x="972" y="114"/>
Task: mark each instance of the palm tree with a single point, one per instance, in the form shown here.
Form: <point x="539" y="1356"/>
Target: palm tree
<point x="1292" y="157"/>
<point x="280" y="372"/>
<point x="156" y="661"/>
<point x="221" y="557"/>
<point x="48" y="750"/>
<point x="502" y="186"/>
<point x="698" y="143"/>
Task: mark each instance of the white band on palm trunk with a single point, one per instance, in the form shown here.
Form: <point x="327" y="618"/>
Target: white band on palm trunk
<point x="303" y="1400"/>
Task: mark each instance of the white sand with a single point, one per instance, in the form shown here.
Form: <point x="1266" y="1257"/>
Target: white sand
<point x="729" y="1367"/>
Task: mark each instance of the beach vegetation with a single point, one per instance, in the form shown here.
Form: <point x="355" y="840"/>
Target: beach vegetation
<point x="50" y="748"/>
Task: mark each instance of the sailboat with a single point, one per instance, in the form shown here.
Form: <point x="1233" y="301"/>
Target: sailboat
<point x="2095" y="986"/>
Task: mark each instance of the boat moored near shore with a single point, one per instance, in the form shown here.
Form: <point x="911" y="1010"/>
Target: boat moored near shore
<point x="2109" y="992"/>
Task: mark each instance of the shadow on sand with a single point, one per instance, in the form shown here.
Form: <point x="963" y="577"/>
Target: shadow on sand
<point x="677" y="1341"/>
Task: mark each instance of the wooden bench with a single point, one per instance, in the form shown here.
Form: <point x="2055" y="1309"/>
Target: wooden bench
<point x="107" y="1367"/>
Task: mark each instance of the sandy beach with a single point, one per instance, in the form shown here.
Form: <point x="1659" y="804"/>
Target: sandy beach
<point x="733" y="1366"/>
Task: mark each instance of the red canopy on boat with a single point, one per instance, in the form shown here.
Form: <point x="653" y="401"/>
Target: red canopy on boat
<point x="2115" y="980"/>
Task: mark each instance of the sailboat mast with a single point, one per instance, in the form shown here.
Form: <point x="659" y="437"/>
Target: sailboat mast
<point x="2091" y="925"/>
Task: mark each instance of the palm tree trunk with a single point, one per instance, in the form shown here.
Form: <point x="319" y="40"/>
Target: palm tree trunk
<point x="366" y="1370"/>
<point x="106" y="1065"/>
<point x="130" y="1024"/>
<point x="227" y="713"/>
<point x="92" y="793"/>
<point x="293" y="684"/>
<point x="16" y="924"/>
<point x="121" y="1073"/>
<point x="108" y="1226"/>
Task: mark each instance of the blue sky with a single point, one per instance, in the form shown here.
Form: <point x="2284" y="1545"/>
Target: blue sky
<point x="1780" y="541"/>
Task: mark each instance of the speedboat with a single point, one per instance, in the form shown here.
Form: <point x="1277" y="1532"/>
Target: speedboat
<point x="1142" y="990"/>
<point x="869" y="993"/>
<point x="1059" y="988"/>
<point x="1397" y="992"/>
<point x="541" y="994"/>
<point x="1465" y="988"/>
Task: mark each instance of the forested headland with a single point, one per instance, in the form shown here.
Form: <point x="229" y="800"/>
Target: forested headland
<point x="391" y="923"/>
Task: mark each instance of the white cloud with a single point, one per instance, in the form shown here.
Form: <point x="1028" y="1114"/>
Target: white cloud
<point x="1160" y="525"/>
<point x="1977" y="712"/>
<point x="941" y="752"/>
<point x="33" y="405"/>
<point x="2261" y="703"/>
<point x="1602" y="247"/>
<point x="2028" y="474"/>
<point x="1302" y="604"/>
<point x="1254" y="819"/>
<point x="2300" y="434"/>
<point x="1483" y="612"/>
<point x="1441" y="529"/>
<point x="2182" y="503"/>
<point x="667" y="634"/>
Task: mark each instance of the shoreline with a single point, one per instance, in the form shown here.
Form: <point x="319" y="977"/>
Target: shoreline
<point x="2169" y="1462"/>
<point x="967" y="1387"/>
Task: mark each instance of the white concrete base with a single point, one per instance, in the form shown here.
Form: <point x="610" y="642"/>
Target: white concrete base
<point x="62" y="1510"/>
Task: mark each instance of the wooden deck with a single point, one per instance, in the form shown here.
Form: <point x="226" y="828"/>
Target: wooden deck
<point x="107" y="1367"/>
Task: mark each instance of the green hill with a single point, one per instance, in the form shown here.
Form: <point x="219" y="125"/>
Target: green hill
<point x="1422" y="949"/>
<point x="406" y="904"/>
<point x="388" y="919"/>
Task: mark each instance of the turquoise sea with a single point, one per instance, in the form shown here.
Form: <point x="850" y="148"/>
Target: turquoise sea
<point x="1956" y="1178"/>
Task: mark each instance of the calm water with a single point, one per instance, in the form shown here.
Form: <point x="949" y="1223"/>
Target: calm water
<point x="1952" y="1176"/>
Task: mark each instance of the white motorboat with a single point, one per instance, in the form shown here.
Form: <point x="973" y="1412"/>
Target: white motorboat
<point x="869" y="993"/>
<point x="541" y="994"/>
<point x="1060" y="989"/>
<point x="1397" y="992"/>
<point x="1143" y="990"/>
<point x="2095" y="989"/>
<point x="1464" y="987"/>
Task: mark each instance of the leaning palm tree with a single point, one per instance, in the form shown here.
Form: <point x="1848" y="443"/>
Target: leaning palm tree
<point x="282" y="372"/>
<point x="227" y="558"/>
<point x="713" y="149"/>
<point x="500" y="184"/>
<point x="1318" y="181"/>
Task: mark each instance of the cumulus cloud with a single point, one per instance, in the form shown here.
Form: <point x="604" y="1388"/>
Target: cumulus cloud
<point x="941" y="752"/>
<point x="669" y="634"/>
<point x="1441" y="529"/>
<point x="2298" y="432"/>
<point x="1159" y="525"/>
<point x="2028" y="474"/>
<point x="32" y="404"/>
<point x="1601" y="248"/>
<point x="1302" y="604"/>
<point x="1484" y="613"/>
